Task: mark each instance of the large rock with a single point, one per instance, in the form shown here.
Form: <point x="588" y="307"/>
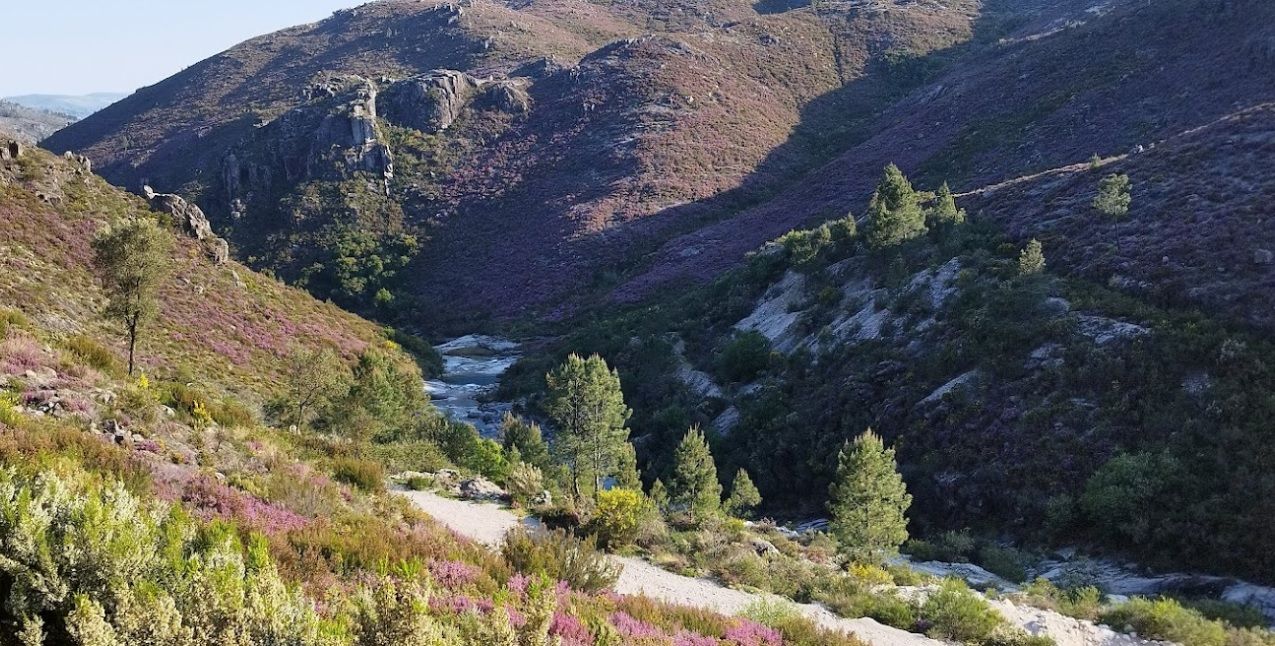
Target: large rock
<point x="429" y="103"/>
<point x="193" y="221"/>
<point x="481" y="489"/>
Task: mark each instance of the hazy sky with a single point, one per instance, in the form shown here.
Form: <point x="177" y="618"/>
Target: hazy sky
<point x="82" y="46"/>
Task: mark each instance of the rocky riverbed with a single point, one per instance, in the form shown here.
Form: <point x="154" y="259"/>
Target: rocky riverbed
<point x="472" y="367"/>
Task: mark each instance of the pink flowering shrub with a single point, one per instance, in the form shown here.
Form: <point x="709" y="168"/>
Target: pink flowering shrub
<point x="633" y="628"/>
<point x="453" y="574"/>
<point x="751" y="633"/>
<point x="571" y="630"/>
<point x="210" y="499"/>
<point x="19" y="354"/>
<point x="684" y="638"/>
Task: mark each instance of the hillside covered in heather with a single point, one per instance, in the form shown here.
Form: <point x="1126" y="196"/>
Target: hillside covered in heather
<point x="534" y="158"/>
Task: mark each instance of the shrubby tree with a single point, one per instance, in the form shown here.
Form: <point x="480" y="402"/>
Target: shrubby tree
<point x="745" y="357"/>
<point x="313" y="378"/>
<point x="1032" y="259"/>
<point x="944" y="211"/>
<point x="385" y="401"/>
<point x="132" y="260"/>
<point x="525" y="440"/>
<point x="744" y="496"/>
<point x="659" y="495"/>
<point x="1114" y="196"/>
<point x="694" y="485"/>
<point x="627" y="475"/>
<point x="869" y="500"/>
<point x="586" y="403"/>
<point x="894" y="214"/>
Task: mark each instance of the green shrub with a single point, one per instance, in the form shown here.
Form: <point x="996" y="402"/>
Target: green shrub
<point x="419" y="483"/>
<point x="89" y="351"/>
<point x="525" y="482"/>
<point x="562" y="557"/>
<point x="954" y="612"/>
<point x="1235" y="614"/>
<point x="797" y="630"/>
<point x="1006" y="562"/>
<point x="363" y="474"/>
<point x="1165" y="619"/>
<point x="421" y="455"/>
<point x="745" y="357"/>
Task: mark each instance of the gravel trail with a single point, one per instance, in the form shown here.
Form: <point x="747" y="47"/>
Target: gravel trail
<point x="488" y="523"/>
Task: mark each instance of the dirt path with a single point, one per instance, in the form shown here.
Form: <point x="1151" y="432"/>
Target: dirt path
<point x="487" y="524"/>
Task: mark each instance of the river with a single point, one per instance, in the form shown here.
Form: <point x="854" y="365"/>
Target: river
<point x="472" y="367"/>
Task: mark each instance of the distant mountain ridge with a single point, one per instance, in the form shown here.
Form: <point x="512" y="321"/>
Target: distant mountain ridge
<point x="77" y="106"/>
<point x="30" y="125"/>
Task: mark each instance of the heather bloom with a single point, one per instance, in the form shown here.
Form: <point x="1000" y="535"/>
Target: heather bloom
<point x="572" y="632"/>
<point x="633" y="628"/>
<point x="751" y="633"/>
<point x="453" y="574"/>
<point x="460" y="604"/>
<point x="685" y="638"/>
<point x="210" y="499"/>
<point x="518" y="583"/>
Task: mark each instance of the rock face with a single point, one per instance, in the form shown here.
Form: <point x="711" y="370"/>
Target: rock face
<point x="193" y="221"/>
<point x="11" y="150"/>
<point x="429" y="103"/>
<point x="330" y="137"/>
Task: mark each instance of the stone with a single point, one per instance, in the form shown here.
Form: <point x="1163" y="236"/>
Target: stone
<point x="763" y="547"/>
<point x="429" y="103"/>
<point x="12" y="150"/>
<point x="193" y="221"/>
<point x="507" y="95"/>
<point x="481" y="489"/>
<point x="542" y="499"/>
<point x="1263" y="256"/>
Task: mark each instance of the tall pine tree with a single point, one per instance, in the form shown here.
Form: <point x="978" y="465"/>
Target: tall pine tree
<point x="894" y="214"/>
<point x="944" y="211"/>
<point x="694" y="484"/>
<point x="586" y="403"/>
<point x="869" y="501"/>
<point x="744" y="496"/>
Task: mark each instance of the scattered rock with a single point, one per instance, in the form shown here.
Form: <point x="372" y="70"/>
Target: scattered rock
<point x="1105" y="331"/>
<point x="961" y="382"/>
<point x="481" y="489"/>
<point x="542" y="499"/>
<point x="1263" y="256"/>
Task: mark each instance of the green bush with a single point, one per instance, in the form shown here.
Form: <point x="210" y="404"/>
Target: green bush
<point x="955" y="612"/>
<point x="1005" y="562"/>
<point x="91" y="352"/>
<point x="525" y="482"/>
<point x="745" y="357"/>
<point x="562" y="557"/>
<point x="363" y="474"/>
<point x="421" y="455"/>
<point x="1166" y="619"/>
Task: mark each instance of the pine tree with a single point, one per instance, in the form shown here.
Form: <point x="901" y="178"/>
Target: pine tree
<point x="944" y="211"/>
<point x="894" y="214"/>
<point x="1113" y="197"/>
<point x="1032" y="259"/>
<point x="869" y="500"/>
<point x="586" y="403"/>
<point x="627" y="475"/>
<point x="744" y="496"/>
<point x="659" y="495"/>
<point x="132" y="260"/>
<point x="526" y="439"/>
<point x="694" y="484"/>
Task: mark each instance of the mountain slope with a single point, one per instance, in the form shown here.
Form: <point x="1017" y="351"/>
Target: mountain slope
<point x="222" y="323"/>
<point x="29" y="125"/>
<point x="78" y="106"/>
<point x="617" y="150"/>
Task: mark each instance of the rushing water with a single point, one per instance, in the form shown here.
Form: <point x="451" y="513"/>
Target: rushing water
<point x="472" y="367"/>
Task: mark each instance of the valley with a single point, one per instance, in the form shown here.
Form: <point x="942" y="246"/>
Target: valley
<point x="649" y="323"/>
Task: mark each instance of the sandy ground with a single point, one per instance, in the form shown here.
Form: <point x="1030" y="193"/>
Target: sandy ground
<point x="488" y="523"/>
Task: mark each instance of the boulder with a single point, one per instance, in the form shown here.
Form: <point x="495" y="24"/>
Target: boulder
<point x="508" y="95"/>
<point x="1263" y="256"/>
<point x="481" y="489"/>
<point x="429" y="103"/>
<point x="193" y="221"/>
<point x="763" y="547"/>
<point x="12" y="150"/>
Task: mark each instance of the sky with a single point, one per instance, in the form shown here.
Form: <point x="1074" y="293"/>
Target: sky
<point x="83" y="46"/>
